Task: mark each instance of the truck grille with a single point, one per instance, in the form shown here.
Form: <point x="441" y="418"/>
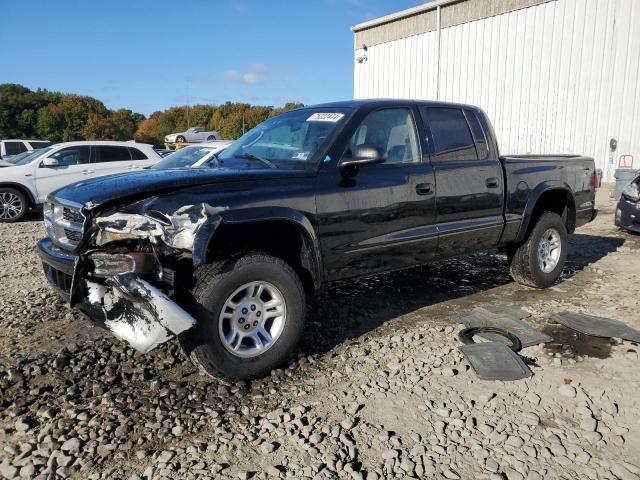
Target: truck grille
<point x="64" y="225"/>
<point x="72" y="215"/>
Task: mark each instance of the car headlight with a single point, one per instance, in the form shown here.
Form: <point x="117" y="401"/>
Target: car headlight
<point x="632" y="192"/>
<point x="126" y="226"/>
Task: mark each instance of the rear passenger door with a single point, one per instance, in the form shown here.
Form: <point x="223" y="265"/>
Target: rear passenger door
<point x="469" y="181"/>
<point x="110" y="159"/>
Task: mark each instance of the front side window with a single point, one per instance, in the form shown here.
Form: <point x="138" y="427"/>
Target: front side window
<point x="392" y="131"/>
<point x="108" y="153"/>
<point x="452" y="138"/>
<point x="14" y="148"/>
<point x="289" y="140"/>
<point x="72" y="155"/>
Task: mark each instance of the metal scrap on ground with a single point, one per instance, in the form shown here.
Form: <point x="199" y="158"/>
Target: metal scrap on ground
<point x="596" y="326"/>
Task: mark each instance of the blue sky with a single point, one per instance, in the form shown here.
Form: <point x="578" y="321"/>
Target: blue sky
<point x="148" y="55"/>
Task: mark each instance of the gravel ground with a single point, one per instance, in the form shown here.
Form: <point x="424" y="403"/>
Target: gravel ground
<point x="377" y="389"/>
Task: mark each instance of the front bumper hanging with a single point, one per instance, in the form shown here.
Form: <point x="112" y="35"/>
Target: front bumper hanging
<point x="129" y="307"/>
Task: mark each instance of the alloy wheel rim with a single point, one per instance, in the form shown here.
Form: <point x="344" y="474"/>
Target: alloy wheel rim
<point x="252" y="319"/>
<point x="549" y="249"/>
<point x="10" y="205"/>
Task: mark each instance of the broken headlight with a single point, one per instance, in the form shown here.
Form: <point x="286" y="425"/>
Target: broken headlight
<point x="632" y="192"/>
<point x="126" y="226"/>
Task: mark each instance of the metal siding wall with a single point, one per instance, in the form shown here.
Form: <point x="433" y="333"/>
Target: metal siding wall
<point x="560" y="77"/>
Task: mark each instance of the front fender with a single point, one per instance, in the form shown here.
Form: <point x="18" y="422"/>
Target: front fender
<point x="205" y="234"/>
<point x="534" y="197"/>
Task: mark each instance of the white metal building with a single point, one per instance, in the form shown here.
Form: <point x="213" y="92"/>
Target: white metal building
<point x="555" y="76"/>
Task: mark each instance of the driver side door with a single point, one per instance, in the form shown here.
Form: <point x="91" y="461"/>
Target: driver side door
<point x="73" y="163"/>
<point x="379" y="217"/>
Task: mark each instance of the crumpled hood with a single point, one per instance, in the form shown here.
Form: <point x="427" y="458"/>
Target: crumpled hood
<point x="98" y="191"/>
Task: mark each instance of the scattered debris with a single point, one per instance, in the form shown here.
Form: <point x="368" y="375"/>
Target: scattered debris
<point x="597" y="326"/>
<point x="495" y="361"/>
<point x="509" y="319"/>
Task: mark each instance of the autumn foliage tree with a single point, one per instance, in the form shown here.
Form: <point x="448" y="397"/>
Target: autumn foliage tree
<point x="60" y="117"/>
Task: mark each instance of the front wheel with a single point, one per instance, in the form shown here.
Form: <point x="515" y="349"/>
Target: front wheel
<point x="180" y="139"/>
<point x="13" y="205"/>
<point x="539" y="261"/>
<point x="250" y="314"/>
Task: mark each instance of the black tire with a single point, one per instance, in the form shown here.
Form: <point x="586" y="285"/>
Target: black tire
<point x="523" y="259"/>
<point x="17" y="199"/>
<point x="180" y="139"/>
<point x="211" y="138"/>
<point x="214" y="284"/>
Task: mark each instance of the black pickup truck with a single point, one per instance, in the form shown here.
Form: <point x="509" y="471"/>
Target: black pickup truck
<point x="224" y="256"/>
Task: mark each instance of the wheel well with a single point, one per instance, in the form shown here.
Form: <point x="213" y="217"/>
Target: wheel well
<point x="280" y="238"/>
<point x="21" y="189"/>
<point x="557" y="201"/>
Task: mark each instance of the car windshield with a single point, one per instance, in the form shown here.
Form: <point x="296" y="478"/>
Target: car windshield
<point x="185" y="157"/>
<point x="290" y="140"/>
<point x="31" y="156"/>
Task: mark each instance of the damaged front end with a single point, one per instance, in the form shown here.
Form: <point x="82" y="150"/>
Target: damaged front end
<point x="130" y="266"/>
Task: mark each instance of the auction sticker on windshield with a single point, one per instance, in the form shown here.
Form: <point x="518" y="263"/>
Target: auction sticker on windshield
<point x="325" y="117"/>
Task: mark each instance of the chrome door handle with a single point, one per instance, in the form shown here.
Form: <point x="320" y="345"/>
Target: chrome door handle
<point x="88" y="172"/>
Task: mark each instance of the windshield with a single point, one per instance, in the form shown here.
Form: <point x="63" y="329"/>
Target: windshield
<point x="185" y="157"/>
<point x="289" y="140"/>
<point x="32" y="156"/>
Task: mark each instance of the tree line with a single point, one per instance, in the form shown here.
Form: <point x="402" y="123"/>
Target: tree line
<point x="61" y="117"/>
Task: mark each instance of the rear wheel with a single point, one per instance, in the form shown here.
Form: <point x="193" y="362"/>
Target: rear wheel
<point x="250" y="313"/>
<point x="211" y="138"/>
<point x="539" y="261"/>
<point x="13" y="205"/>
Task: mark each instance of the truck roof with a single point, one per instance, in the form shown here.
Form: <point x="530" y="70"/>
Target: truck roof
<point x="388" y="102"/>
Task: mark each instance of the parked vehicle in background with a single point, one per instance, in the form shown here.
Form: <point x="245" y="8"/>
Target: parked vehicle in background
<point x="225" y="257"/>
<point x="628" y="209"/>
<point x="15" y="147"/>
<point x="193" y="155"/>
<point x="194" y="134"/>
<point x="26" y="184"/>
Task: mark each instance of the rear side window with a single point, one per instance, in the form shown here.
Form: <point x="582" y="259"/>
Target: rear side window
<point x="108" y="153"/>
<point x="35" y="145"/>
<point x="478" y="135"/>
<point x="72" y="155"/>
<point x="452" y="138"/>
<point x="14" y="148"/>
<point x="137" y="154"/>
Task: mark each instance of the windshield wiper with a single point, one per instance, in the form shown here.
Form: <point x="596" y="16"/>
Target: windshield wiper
<point x="251" y="156"/>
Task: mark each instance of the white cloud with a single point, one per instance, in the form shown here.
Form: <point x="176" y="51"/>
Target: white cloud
<point x="254" y="74"/>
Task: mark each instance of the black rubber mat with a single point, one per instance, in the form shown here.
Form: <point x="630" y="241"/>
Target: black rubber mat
<point x="596" y="326"/>
<point x="509" y="319"/>
<point x="495" y="361"/>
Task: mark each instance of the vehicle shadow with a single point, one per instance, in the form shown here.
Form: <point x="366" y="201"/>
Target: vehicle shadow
<point x="349" y="310"/>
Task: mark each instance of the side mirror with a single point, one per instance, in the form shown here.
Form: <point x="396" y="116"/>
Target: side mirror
<point x="364" y="155"/>
<point x="50" y="163"/>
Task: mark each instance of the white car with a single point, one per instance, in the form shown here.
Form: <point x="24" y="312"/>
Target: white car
<point x="17" y="146"/>
<point x="194" y="134"/>
<point x="193" y="156"/>
<point x="26" y="184"/>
